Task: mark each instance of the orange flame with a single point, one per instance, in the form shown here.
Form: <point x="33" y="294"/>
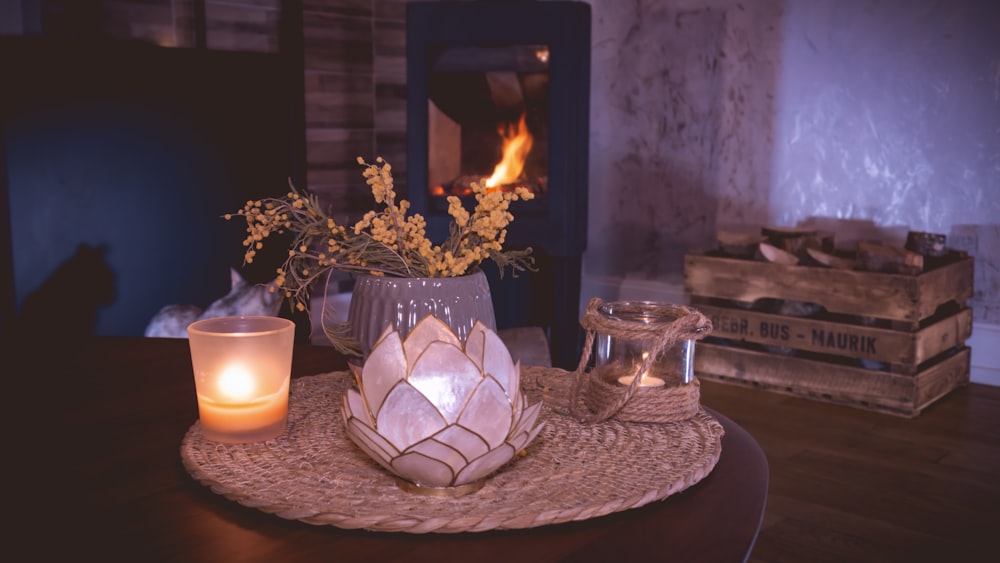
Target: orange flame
<point x="517" y="141"/>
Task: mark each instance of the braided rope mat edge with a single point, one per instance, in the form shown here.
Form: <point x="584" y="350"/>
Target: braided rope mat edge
<point x="571" y="471"/>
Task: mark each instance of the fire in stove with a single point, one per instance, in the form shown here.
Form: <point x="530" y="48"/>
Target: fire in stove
<point x="488" y="119"/>
<point x="508" y="174"/>
<point x="517" y="142"/>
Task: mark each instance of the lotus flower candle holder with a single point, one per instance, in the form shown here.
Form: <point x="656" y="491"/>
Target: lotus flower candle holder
<point x="440" y="414"/>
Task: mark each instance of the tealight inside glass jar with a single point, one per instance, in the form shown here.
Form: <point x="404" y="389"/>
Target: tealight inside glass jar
<point x="623" y="350"/>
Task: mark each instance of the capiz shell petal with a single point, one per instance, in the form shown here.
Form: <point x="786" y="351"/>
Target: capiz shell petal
<point x="371" y="443"/>
<point x="498" y="363"/>
<point x="488" y="413"/>
<point x="518" y="399"/>
<point x="470" y="444"/>
<point x="428" y="329"/>
<point x="444" y="374"/>
<point x="483" y="466"/>
<point x="366" y="438"/>
<point x="384" y="368"/>
<point x="441" y="451"/>
<point x="423" y="470"/>
<point x="475" y="344"/>
<point x="355" y="405"/>
<point x="389" y="329"/>
<point x="525" y="430"/>
<point x="407" y="417"/>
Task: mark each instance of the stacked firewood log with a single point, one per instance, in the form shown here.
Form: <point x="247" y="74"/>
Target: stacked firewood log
<point x="812" y="247"/>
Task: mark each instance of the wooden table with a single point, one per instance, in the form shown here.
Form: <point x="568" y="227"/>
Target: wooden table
<point x="94" y="469"/>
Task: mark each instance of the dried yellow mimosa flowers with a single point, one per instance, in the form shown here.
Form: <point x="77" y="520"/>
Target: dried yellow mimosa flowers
<point x="385" y="241"/>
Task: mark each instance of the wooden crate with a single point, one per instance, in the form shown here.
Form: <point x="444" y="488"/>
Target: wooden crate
<point x="891" y="343"/>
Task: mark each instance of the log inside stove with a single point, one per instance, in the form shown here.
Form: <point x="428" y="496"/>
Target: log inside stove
<point x="462" y="186"/>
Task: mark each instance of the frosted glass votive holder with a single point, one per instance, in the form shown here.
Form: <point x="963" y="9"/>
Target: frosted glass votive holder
<point x="242" y="368"/>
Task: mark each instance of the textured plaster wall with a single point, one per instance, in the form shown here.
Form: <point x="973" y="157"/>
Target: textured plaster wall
<point x="867" y="117"/>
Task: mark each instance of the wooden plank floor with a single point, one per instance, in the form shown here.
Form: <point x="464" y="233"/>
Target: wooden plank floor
<point x="848" y="485"/>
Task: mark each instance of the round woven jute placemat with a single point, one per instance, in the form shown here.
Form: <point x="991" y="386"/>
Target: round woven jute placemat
<point x="571" y="471"/>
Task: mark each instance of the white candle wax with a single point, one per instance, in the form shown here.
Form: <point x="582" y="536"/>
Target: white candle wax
<point x="646" y="380"/>
<point x="251" y="419"/>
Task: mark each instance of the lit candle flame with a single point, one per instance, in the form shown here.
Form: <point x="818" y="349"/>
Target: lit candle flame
<point x="237" y="384"/>
<point x="645" y="379"/>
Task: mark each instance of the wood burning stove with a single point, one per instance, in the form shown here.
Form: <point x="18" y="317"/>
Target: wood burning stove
<point x="499" y="92"/>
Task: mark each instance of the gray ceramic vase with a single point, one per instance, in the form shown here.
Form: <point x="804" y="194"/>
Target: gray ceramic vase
<point x="377" y="302"/>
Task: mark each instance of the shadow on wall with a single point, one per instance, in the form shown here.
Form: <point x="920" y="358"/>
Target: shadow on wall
<point x="66" y="305"/>
<point x="982" y="242"/>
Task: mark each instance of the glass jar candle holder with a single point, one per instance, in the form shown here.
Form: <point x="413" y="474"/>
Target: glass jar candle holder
<point x="622" y="353"/>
